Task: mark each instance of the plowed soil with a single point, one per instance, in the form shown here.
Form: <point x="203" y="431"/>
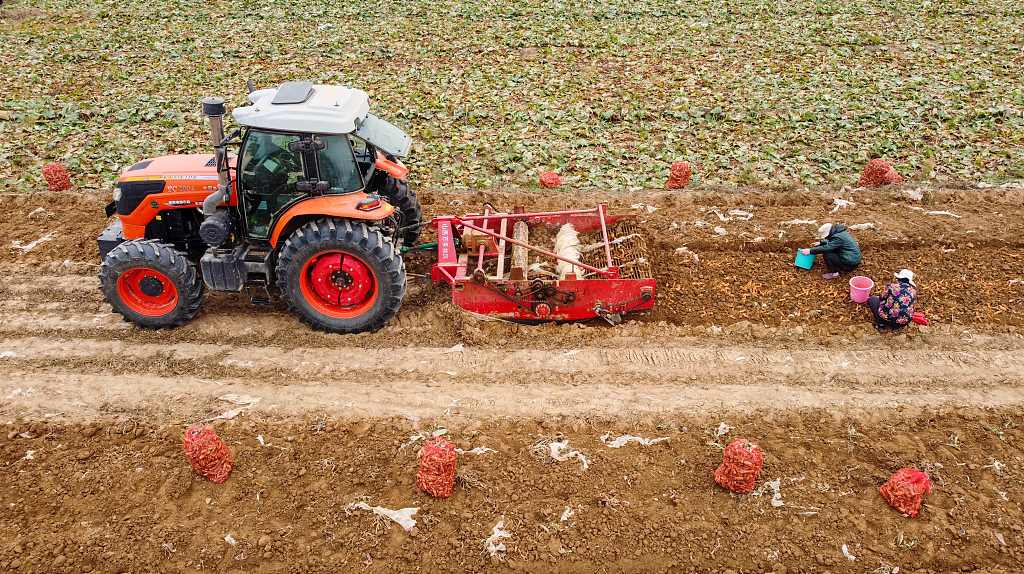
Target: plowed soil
<point x="93" y="477"/>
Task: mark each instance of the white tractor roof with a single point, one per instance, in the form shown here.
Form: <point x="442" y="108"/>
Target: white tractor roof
<point x="305" y="107"/>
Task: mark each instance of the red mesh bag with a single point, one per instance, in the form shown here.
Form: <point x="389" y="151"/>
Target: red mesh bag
<point x="56" y="178"/>
<point x="550" y="180"/>
<point x="679" y="175"/>
<point x="891" y="177"/>
<point x="437" y="468"/>
<point x="879" y="172"/>
<point x="905" y="490"/>
<point x="208" y="453"/>
<point x="742" y="463"/>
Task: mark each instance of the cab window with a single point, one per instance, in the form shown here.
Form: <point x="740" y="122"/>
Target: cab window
<point x="338" y="165"/>
<point x="364" y="156"/>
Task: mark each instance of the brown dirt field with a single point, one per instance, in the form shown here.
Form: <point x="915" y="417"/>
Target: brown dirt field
<point x="94" y="410"/>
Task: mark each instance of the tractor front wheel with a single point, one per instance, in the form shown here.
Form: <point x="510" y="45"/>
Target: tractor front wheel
<point x="341" y="276"/>
<point x="151" y="284"/>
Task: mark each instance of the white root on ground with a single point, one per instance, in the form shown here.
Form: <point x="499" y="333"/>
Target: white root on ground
<point x="951" y="214"/>
<point x="494" y="543"/>
<point x="27" y="246"/>
<point x="561" y="452"/>
<point x="840" y="203"/>
<point x="776" y="486"/>
<point x="246" y="401"/>
<point x="797" y="222"/>
<point x="686" y="251"/>
<point x="403" y="517"/>
<point x="477" y="450"/>
<point x="626" y="439"/>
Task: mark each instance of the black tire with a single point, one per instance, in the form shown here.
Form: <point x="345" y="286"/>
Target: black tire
<point x="151" y="284"/>
<point x="359" y="249"/>
<point x="403" y="198"/>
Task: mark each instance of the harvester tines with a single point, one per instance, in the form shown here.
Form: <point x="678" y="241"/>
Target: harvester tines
<point x="629" y="250"/>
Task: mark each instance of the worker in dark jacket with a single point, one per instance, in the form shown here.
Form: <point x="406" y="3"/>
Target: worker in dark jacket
<point x="838" y="248"/>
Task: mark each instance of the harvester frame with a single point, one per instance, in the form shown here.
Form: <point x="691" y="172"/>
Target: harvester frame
<point x="514" y="295"/>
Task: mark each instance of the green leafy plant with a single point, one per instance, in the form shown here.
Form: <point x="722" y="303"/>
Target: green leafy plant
<point x="607" y="93"/>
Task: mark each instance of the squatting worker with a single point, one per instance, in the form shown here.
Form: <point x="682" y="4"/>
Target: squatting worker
<point x="895" y="308"/>
<point x="838" y="248"/>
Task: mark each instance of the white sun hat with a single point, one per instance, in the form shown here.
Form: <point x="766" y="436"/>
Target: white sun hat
<point x="906" y="274"/>
<point x="824" y="230"/>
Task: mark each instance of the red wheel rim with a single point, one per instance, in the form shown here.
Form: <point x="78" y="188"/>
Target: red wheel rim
<point x="338" y="284"/>
<point x="147" y="292"/>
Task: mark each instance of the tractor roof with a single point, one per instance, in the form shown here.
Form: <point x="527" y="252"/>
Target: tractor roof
<point x="305" y="107"/>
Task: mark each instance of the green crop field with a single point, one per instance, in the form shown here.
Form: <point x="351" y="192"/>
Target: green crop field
<point x="607" y="94"/>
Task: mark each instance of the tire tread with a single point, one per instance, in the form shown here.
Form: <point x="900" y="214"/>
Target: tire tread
<point x="358" y="235"/>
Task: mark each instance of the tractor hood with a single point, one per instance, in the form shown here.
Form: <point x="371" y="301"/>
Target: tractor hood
<point x="196" y="167"/>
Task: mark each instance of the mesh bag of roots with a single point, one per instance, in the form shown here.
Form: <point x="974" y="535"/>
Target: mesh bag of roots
<point x="56" y="177"/>
<point x="436" y="476"/>
<point x="742" y="463"/>
<point x="905" y="490"/>
<point x="208" y="453"/>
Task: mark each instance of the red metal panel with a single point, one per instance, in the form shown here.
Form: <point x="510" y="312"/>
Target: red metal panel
<point x="608" y="293"/>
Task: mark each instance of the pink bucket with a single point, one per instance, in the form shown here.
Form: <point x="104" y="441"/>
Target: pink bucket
<point x="860" y="288"/>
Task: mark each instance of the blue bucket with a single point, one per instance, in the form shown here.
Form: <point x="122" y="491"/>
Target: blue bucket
<point x="804" y="261"/>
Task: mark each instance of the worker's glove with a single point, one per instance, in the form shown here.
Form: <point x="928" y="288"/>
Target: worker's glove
<point x="805" y="251"/>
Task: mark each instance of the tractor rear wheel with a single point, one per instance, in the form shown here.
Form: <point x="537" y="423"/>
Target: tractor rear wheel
<point x="403" y="198"/>
<point x="151" y="284"/>
<point x="341" y="276"/>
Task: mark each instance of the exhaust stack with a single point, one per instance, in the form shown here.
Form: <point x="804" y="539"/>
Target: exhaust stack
<point x="215" y="109"/>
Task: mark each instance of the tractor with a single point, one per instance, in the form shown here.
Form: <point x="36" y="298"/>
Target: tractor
<point x="314" y="200"/>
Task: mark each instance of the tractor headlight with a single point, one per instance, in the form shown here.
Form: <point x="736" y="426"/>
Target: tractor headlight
<point x="117" y="194"/>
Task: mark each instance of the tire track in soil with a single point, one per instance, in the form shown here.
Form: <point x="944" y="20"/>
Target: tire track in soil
<point x="683" y="373"/>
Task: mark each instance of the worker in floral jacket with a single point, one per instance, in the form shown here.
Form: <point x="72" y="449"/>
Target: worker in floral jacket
<point x="895" y="308"/>
<point x="838" y="248"/>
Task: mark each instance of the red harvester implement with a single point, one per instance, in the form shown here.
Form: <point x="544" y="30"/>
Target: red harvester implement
<point x="494" y="269"/>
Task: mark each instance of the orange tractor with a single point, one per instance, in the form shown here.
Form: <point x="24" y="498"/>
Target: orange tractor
<point x="315" y="198"/>
<point x="315" y="202"/>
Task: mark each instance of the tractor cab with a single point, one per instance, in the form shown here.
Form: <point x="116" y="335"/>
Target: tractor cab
<point x="314" y="201"/>
<point x="302" y="140"/>
<point x="275" y="173"/>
